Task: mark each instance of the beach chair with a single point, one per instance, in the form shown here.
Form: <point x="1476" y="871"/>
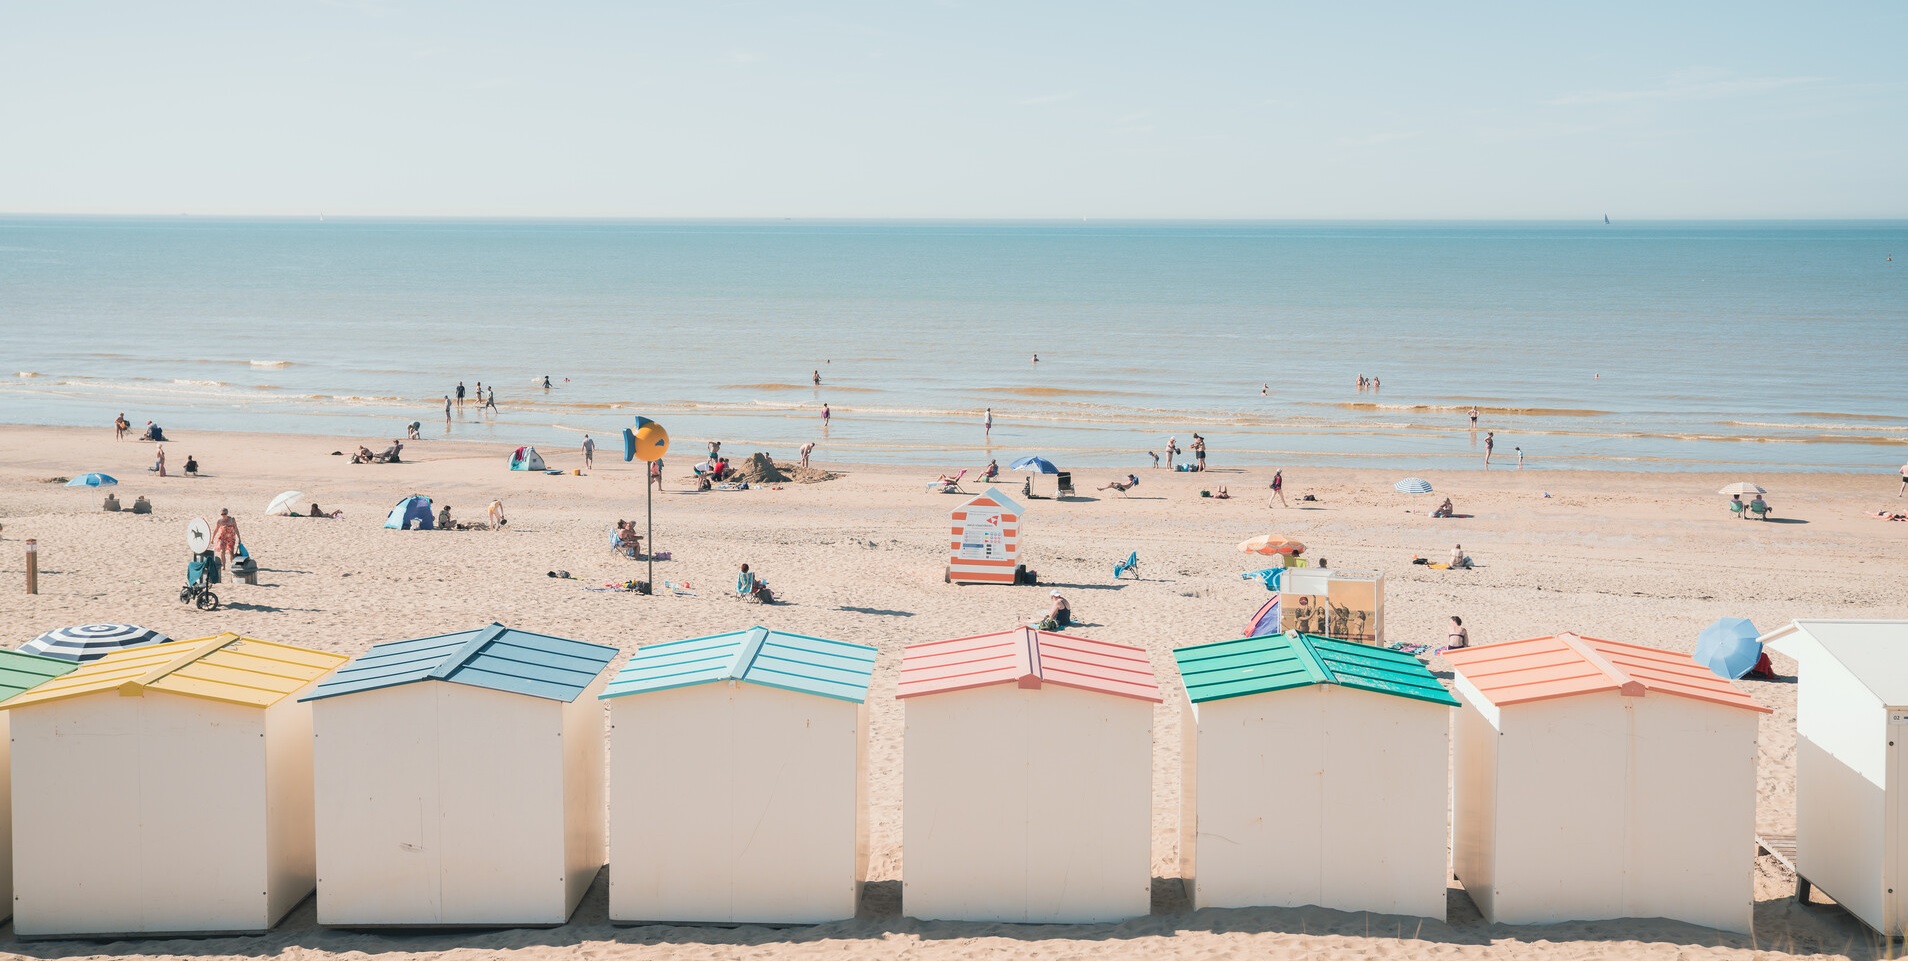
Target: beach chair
<point x="1760" y="510"/>
<point x="1130" y="564"/>
<point x="952" y="486"/>
<point x="1065" y="480"/>
<point x="1738" y="508"/>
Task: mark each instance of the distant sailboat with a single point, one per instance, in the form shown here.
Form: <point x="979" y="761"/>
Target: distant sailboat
<point x="1606" y="219"/>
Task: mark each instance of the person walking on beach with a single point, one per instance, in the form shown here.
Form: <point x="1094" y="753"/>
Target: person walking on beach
<point x="460" y="393"/>
<point x="225" y="537"/>
<point x="160" y="459"/>
<point x="807" y="449"/>
<point x="446" y="408"/>
<point x="1898" y="493"/>
<point x="987" y="422"/>
<point x="120" y="426"/>
<point x="546" y="381"/>
<point x="655" y="473"/>
<point x="480" y="393"/>
<point x="826" y="416"/>
<point x="1490" y="441"/>
<point x="1520" y="458"/>
<point x="1199" y="452"/>
<point x="589" y="451"/>
<point x="491" y="402"/>
<point x="1278" y="488"/>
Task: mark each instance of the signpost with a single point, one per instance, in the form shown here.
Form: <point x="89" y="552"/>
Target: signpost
<point x="647" y="443"/>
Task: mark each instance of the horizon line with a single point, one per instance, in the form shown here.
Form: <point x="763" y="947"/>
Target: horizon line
<point x="1598" y="219"/>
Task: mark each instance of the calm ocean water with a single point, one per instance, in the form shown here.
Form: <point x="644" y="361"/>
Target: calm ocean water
<point x="1660" y="346"/>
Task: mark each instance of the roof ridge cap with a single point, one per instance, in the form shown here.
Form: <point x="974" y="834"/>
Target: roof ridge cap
<point x="1302" y="648"/>
<point x="450" y="665"/>
<point x="746" y="652"/>
<point x="1626" y="685"/>
<point x="194" y="652"/>
<point x="1027" y="658"/>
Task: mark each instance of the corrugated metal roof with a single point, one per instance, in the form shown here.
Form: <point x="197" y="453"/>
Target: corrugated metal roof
<point x="792" y="662"/>
<point x="1277" y="662"/>
<point x="1028" y="658"/>
<point x="225" y="667"/>
<point x="494" y="657"/>
<point x="1565" y="665"/>
<point x="20" y="673"/>
<point x="1874" y="652"/>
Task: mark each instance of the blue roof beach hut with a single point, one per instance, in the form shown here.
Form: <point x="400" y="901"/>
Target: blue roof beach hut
<point x="459" y="781"/>
<point x="1315" y="772"/>
<point x="737" y="780"/>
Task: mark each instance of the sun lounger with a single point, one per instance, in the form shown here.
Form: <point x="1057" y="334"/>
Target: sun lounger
<point x="945" y="485"/>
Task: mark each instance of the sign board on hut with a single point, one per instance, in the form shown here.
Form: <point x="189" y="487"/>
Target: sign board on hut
<point x="985" y="544"/>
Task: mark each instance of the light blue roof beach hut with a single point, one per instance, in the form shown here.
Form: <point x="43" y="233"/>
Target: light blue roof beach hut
<point x="737" y="787"/>
<point x="459" y="780"/>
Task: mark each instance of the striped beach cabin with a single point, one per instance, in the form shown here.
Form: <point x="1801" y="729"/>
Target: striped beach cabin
<point x="1316" y="771"/>
<point x="738" y="780"/>
<point x="984" y="546"/>
<point x="165" y="790"/>
<point x="460" y="781"/>
<point x="1027" y="791"/>
<point x="19" y="673"/>
<point x="1595" y="779"/>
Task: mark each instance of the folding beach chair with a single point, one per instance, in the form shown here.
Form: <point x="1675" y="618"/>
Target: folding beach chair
<point x="1130" y="564"/>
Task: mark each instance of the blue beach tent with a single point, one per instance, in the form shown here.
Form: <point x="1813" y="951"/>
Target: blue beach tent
<point x="411" y="514"/>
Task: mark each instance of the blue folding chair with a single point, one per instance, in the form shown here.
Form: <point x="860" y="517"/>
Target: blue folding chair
<point x="1130" y="564"/>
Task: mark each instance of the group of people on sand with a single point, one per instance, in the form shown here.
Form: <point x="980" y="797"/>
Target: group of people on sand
<point x="484" y="401"/>
<point x="1173" y="450"/>
<point x="494" y="519"/>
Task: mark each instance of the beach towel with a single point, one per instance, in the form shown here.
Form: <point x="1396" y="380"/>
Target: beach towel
<point x="1270" y="577"/>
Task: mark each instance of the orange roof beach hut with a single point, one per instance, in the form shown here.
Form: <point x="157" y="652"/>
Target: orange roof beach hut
<point x="984" y="546"/>
<point x="1596" y="779"/>
<point x="165" y="790"/>
<point x="1027" y="791"/>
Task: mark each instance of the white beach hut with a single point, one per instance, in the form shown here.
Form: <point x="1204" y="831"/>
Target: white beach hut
<point x="165" y="790"/>
<point x="1851" y="763"/>
<point x="984" y="540"/>
<point x="1028" y="779"/>
<point x="1595" y="779"/>
<point x="459" y="781"/>
<point x="737" y="788"/>
<point x="1316" y="771"/>
<point x="19" y="673"/>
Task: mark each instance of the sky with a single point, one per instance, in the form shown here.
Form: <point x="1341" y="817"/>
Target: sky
<point x="957" y="109"/>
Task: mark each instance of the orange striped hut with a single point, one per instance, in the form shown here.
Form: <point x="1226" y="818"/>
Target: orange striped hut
<point x="984" y="542"/>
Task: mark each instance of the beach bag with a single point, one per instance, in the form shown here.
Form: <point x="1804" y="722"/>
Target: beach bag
<point x="1047" y="624"/>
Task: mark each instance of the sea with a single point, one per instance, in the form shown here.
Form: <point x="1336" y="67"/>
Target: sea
<point x="1649" y="346"/>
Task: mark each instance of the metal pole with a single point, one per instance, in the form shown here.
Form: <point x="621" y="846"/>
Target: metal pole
<point x="33" y="566"/>
<point x="649" y="508"/>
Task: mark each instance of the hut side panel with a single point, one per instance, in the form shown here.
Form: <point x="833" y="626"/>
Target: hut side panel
<point x="1561" y="802"/>
<point x="1841" y="789"/>
<point x="291" y="834"/>
<point x="171" y="793"/>
<point x="1693" y="825"/>
<point x="378" y="833"/>
<point x="6" y="816"/>
<point x="1028" y="806"/>
<point x="585" y="846"/>
<point x="1474" y="805"/>
<point x="745" y="811"/>
<point x="500" y="773"/>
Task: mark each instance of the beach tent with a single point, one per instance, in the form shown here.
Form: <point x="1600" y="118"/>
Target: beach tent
<point x="737" y="778"/>
<point x="1851" y="758"/>
<point x="411" y="514"/>
<point x="1315" y="771"/>
<point x="985" y="546"/>
<point x="165" y="790"/>
<point x="1596" y="779"/>
<point x="1028" y="779"/>
<point x="526" y="458"/>
<point x="459" y="780"/>
<point x="19" y="673"/>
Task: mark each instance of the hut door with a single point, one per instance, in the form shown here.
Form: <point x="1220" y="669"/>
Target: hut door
<point x="1895" y="856"/>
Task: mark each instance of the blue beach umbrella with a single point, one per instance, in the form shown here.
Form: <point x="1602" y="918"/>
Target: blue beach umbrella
<point x="1412" y="485"/>
<point x="1039" y="465"/>
<point x="1728" y="647"/>
<point x="93" y="480"/>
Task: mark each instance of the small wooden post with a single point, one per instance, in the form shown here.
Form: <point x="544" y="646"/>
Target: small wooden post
<point x="33" y="566"/>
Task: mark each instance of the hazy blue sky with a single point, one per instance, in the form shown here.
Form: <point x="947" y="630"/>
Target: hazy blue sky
<point x="956" y="109"/>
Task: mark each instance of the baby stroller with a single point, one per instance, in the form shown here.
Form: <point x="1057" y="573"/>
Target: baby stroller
<point x="201" y="574"/>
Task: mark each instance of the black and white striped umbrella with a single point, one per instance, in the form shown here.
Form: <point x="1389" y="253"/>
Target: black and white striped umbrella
<point x="90" y="642"/>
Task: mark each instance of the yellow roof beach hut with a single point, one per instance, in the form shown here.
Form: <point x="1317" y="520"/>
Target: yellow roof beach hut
<point x="1028" y="779"/>
<point x="459" y="781"/>
<point x="1851" y="759"/>
<point x="737" y="781"/>
<point x="189" y="765"/>
<point x="19" y="673"/>
<point x="1316" y="771"/>
<point x="1595" y="779"/>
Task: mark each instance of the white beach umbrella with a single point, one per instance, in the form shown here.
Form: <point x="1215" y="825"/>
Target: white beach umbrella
<point x="286" y="503"/>
<point x="1742" y="487"/>
<point x="1412" y="485"/>
<point x="89" y="642"/>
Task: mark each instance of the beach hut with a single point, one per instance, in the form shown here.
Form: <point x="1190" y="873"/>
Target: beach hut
<point x="526" y="458"/>
<point x="737" y="779"/>
<point x="985" y="546"/>
<point x="19" y="673"/>
<point x="459" y="780"/>
<point x="1595" y="779"/>
<point x="1315" y="771"/>
<point x="411" y="514"/>
<point x="1028" y="779"/>
<point x="1851" y="763"/>
<point x="165" y="790"/>
<point x="1334" y="602"/>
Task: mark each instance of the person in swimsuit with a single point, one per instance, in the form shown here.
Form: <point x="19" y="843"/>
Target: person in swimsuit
<point x="818" y="378"/>
<point x="826" y="415"/>
<point x="1459" y="638"/>
<point x="1473" y="416"/>
<point x="987" y="422"/>
<point x="589" y="451"/>
<point x="121" y="425"/>
<point x="1490" y="442"/>
<point x="1278" y="488"/>
<point x="1199" y="452"/>
<point x="807" y="449"/>
<point x="225" y="537"/>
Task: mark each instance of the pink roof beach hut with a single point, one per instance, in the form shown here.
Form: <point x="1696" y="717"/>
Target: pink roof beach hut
<point x="1316" y="771"/>
<point x="1596" y="779"/>
<point x="1027" y="790"/>
<point x="165" y="790"/>
<point x="985" y="544"/>
<point x="1851" y="763"/>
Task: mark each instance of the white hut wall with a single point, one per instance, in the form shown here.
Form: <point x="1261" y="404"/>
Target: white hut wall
<point x="171" y="793"/>
<point x="584" y="844"/>
<point x="1692" y="812"/>
<point x="1562" y="810"/>
<point x="734" y="802"/>
<point x="1842" y="806"/>
<point x="291" y="836"/>
<point x="1189" y="798"/>
<point x="1027" y="805"/>
<point x="1474" y="797"/>
<point x="1326" y="796"/>
<point x="6" y="817"/>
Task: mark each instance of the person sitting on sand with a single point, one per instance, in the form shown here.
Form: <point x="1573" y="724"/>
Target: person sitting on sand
<point x="1459" y="637"/>
<point x="444" y="519"/>
<point x="1444" y="510"/>
<point x="1221" y="495"/>
<point x="317" y="511"/>
<point x="627" y="540"/>
<point x="1459" y="558"/>
<point x="363" y="456"/>
<point x="1059" y="613"/>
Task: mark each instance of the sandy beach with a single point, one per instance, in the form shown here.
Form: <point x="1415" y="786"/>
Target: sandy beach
<point x="1645" y="558"/>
